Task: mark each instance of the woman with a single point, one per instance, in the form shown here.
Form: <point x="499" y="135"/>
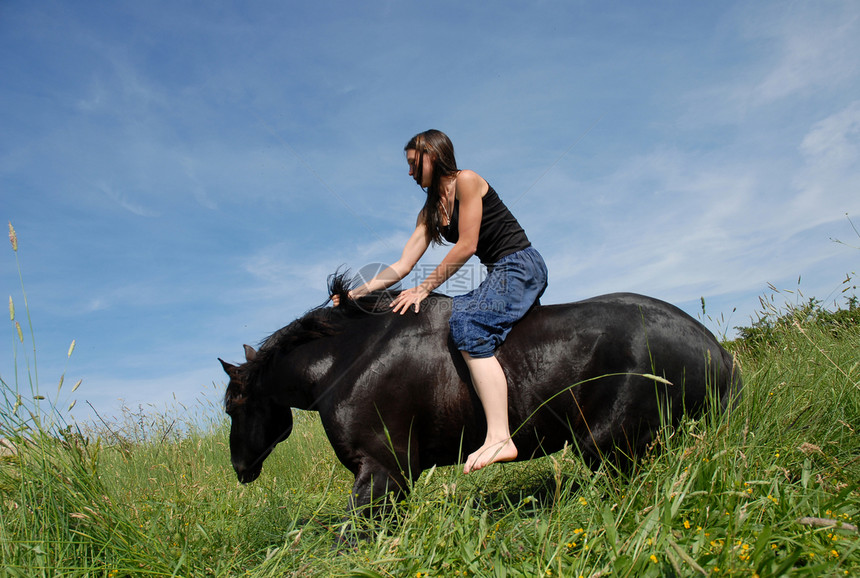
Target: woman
<point x="462" y="208"/>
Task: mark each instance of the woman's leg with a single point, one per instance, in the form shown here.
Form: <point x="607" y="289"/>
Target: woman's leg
<point x="492" y="388"/>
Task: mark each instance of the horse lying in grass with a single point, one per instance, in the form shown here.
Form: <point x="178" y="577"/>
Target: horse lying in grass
<point x="395" y="396"/>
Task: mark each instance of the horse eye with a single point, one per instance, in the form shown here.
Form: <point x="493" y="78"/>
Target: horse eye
<point x="233" y="401"/>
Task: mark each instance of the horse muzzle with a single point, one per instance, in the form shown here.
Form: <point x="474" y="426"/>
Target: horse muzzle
<point x="246" y="476"/>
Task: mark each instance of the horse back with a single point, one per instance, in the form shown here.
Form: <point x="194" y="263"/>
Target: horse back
<point x="581" y="368"/>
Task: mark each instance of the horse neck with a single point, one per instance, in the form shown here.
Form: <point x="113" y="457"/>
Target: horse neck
<point x="312" y="375"/>
<point x="297" y="376"/>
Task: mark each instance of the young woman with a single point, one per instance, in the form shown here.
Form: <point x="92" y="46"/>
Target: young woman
<point x="463" y="209"/>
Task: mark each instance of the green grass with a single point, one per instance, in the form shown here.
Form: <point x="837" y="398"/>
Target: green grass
<point x="154" y="493"/>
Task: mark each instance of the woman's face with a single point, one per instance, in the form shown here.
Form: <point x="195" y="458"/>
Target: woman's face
<point x="424" y="179"/>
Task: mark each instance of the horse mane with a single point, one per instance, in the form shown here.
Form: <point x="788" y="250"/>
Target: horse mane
<point x="321" y="321"/>
<point x="339" y="285"/>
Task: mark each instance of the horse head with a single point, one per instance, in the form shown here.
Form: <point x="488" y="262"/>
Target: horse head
<point x="259" y="423"/>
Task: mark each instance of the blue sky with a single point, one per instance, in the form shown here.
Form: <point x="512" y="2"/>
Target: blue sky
<point x="184" y="176"/>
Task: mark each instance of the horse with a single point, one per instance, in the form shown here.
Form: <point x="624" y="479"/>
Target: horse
<point x="395" y="397"/>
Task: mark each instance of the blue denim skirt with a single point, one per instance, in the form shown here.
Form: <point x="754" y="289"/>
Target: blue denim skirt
<point x="481" y="319"/>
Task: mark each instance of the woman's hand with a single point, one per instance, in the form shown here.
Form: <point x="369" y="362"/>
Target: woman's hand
<point x="409" y="298"/>
<point x="335" y="299"/>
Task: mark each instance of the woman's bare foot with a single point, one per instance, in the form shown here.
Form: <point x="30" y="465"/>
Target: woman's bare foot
<point x="490" y="453"/>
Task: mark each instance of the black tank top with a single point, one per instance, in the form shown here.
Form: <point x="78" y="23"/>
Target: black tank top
<point x="500" y="233"/>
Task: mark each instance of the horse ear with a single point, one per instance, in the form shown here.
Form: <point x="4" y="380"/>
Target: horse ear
<point x="250" y="354"/>
<point x="229" y="368"/>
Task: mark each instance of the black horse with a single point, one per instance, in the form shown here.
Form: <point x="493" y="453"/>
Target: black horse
<point x="395" y="396"/>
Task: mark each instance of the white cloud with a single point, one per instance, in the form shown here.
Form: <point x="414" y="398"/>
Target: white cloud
<point x="681" y="224"/>
<point x="835" y="141"/>
<point x="815" y="46"/>
<point x="828" y="182"/>
<point x="285" y="271"/>
<point x="122" y="199"/>
<point x="776" y="61"/>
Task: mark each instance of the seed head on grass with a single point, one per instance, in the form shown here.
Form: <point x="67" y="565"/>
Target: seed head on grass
<point x="13" y="237"/>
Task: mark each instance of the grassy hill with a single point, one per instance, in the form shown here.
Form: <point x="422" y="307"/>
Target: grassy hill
<point x="771" y="490"/>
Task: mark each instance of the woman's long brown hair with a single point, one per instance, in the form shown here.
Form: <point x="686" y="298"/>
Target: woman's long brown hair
<point x="439" y="146"/>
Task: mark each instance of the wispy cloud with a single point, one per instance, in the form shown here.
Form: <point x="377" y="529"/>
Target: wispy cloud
<point x="828" y="182"/>
<point x="814" y="46"/>
<point x="122" y="199"/>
